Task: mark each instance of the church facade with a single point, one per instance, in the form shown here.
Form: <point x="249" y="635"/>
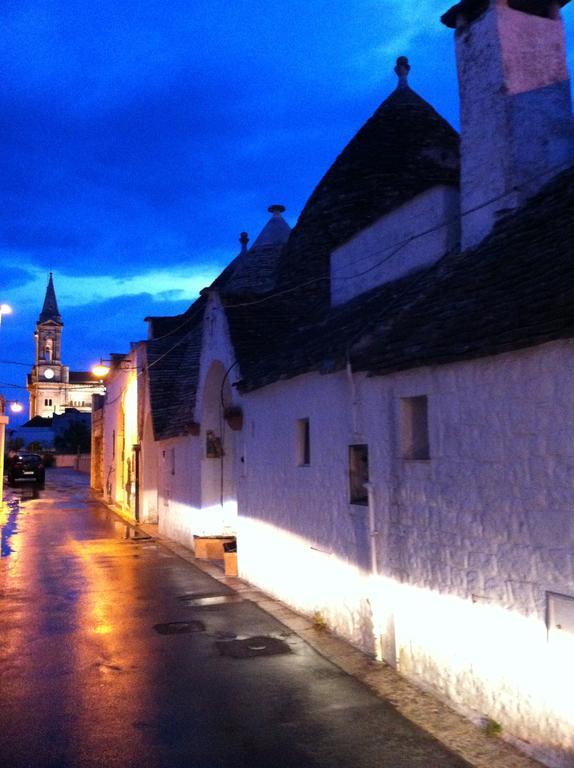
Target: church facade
<point x="51" y="386"/>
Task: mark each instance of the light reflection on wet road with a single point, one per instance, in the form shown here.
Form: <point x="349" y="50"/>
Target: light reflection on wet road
<point x="111" y="656"/>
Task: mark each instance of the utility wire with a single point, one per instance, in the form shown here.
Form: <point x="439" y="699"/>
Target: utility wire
<point x="399" y="246"/>
<point x="450" y="220"/>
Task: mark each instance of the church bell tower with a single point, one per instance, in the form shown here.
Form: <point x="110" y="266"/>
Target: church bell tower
<point x="48" y="373"/>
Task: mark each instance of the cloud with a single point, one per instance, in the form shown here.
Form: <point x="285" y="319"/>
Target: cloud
<point x="12" y="278"/>
<point x="181" y="284"/>
<point x="138" y="138"/>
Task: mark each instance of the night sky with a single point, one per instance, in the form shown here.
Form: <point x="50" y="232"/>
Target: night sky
<point x="140" y="137"/>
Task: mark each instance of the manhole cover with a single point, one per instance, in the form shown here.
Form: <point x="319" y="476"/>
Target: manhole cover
<point x="179" y="627"/>
<point x="250" y="647"/>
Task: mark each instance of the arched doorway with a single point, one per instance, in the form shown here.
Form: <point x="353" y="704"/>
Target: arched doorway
<point x="218" y="485"/>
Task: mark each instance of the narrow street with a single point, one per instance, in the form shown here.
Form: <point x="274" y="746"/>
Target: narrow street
<point x="111" y="655"/>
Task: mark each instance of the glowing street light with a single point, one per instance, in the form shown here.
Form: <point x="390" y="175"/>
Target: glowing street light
<point x="5" y="309"/>
<point x="100" y="370"/>
<point x="15" y="406"/>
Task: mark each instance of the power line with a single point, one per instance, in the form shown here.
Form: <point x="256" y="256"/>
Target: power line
<point x="15" y="362"/>
<point x="396" y="249"/>
<point x="401" y="244"/>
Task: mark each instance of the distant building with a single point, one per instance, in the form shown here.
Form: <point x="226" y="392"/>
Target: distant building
<point x="51" y="385"/>
<point x="45" y="431"/>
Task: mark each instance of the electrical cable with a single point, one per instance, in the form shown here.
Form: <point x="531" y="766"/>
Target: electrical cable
<point x="399" y="246"/>
<point x="452" y="219"/>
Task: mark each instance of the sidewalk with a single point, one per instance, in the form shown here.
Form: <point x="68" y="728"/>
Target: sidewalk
<point x="425" y="710"/>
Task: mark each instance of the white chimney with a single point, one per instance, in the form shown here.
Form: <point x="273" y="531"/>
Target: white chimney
<point x="517" y="129"/>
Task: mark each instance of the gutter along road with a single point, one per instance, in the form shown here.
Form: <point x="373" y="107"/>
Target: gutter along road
<point x="114" y="651"/>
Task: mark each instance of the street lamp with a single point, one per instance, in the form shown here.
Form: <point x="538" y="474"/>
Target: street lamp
<point x="102" y="369"/>
<point x="5" y="309"/>
<point x="15" y="407"/>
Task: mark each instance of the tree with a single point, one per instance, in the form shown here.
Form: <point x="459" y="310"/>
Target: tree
<point x="75" y="439"/>
<point x="15" y="443"/>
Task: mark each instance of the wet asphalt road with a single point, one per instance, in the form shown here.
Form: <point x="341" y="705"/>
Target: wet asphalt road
<point x="86" y="678"/>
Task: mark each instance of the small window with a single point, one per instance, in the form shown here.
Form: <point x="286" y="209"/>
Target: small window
<point x="559" y="615"/>
<point x="213" y="445"/>
<point x="172" y="457"/>
<point x="414" y="428"/>
<point x="114" y="444"/>
<point x="358" y="473"/>
<point x="303" y="443"/>
<point x="48" y="401"/>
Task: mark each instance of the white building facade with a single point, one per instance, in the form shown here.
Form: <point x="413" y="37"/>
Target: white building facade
<point x="379" y="403"/>
<point x="52" y="387"/>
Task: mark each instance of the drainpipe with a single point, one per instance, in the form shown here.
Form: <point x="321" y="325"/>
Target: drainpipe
<point x="354" y="399"/>
<point x="373" y="533"/>
<point x="374" y="571"/>
<point x="136" y="452"/>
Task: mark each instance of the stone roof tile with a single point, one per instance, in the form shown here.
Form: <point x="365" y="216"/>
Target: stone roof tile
<point x="405" y="148"/>
<point x="514" y="290"/>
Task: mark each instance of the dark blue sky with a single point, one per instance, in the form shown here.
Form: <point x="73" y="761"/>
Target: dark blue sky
<point x="140" y="137"/>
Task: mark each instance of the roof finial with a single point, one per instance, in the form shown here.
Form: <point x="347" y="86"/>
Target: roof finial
<point x="402" y="70"/>
<point x="50" y="309"/>
<point x="244" y="239"/>
<point x="276" y="210"/>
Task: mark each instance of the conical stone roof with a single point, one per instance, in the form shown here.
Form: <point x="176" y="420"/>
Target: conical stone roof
<point x="50" y="309"/>
<point x="254" y="271"/>
<point x="405" y="148"/>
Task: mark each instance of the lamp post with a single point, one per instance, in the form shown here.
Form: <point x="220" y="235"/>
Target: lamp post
<point x="15" y="407"/>
<point x="3" y="423"/>
<point x="5" y="309"/>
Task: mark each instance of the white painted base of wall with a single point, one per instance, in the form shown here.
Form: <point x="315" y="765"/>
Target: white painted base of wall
<point x="181" y="522"/>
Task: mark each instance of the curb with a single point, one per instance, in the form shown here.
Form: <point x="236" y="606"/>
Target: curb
<point x="456" y="732"/>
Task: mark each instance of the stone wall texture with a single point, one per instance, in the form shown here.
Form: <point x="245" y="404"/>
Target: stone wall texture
<point x="468" y="543"/>
<point x="414" y="235"/>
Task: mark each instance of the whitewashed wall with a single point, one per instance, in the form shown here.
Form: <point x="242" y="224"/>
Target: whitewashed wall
<point x="414" y="235"/>
<point x="120" y="429"/>
<point x="179" y="489"/>
<point x="468" y="543"/>
<point x="190" y="501"/>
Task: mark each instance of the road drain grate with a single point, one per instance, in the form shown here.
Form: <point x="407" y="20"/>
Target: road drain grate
<point x="179" y="627"/>
<point x="250" y="647"/>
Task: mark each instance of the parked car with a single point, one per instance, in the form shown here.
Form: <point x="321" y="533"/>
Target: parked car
<point x="26" y="466"/>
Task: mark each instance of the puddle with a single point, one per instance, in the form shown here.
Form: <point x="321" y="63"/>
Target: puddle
<point x="128" y="532"/>
<point x="8" y="524"/>
<point x="209" y="600"/>
<point x="179" y="627"/>
<point x="251" y="647"/>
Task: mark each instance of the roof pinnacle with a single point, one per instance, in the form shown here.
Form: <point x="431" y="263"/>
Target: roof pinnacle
<point x="276" y="210"/>
<point x="243" y="239"/>
<point x="402" y="70"/>
<point x="50" y="309"/>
